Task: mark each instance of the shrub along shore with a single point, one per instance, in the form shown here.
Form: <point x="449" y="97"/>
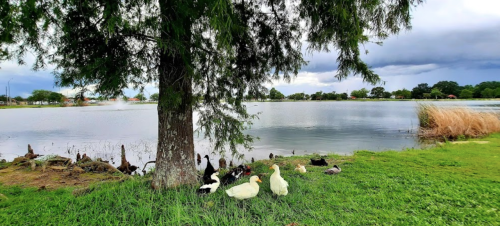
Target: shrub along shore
<point x="450" y="184"/>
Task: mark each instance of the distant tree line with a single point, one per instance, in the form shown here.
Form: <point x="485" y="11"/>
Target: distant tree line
<point x="46" y="96"/>
<point x="440" y="90"/>
<point x="39" y="95"/>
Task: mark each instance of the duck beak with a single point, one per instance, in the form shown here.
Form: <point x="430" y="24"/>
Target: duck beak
<point x="259" y="180"/>
<point x="271" y="167"/>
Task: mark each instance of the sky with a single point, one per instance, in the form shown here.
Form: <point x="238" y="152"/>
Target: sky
<point x="452" y="40"/>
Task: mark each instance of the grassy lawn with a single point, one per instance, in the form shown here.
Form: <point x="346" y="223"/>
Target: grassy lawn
<point x="453" y="184"/>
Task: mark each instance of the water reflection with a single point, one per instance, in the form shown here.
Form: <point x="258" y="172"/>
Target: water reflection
<point x="306" y="127"/>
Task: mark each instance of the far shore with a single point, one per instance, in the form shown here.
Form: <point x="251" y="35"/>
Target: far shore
<point x="256" y="101"/>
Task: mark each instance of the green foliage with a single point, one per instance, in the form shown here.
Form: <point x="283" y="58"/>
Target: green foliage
<point x="466" y="94"/>
<point x="387" y="95"/>
<point x="317" y="95"/>
<point x="140" y="96"/>
<point x="55" y="97"/>
<point x="447" y="87"/>
<point x="3" y="98"/>
<point x="377" y="92"/>
<point x="418" y="91"/>
<point x="402" y="94"/>
<point x="19" y="98"/>
<point x="274" y="94"/>
<point x="343" y="96"/>
<point x="154" y="97"/>
<point x="297" y="96"/>
<point x="435" y="92"/>
<point x="40" y="95"/>
<point x="497" y="92"/>
<point x="452" y="184"/>
<point x="329" y="96"/>
<point x="483" y="85"/>
<point x="362" y="93"/>
<point x="488" y="93"/>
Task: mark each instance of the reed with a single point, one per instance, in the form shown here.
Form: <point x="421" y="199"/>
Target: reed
<point x="455" y="122"/>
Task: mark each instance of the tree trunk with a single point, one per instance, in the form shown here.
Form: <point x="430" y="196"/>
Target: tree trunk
<point x="175" y="163"/>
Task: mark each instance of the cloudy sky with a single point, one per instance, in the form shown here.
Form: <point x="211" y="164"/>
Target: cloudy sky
<point x="456" y="40"/>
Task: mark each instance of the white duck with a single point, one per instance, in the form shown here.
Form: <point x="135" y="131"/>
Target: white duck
<point x="278" y="184"/>
<point x="300" y="168"/>
<point x="210" y="186"/>
<point x="245" y="190"/>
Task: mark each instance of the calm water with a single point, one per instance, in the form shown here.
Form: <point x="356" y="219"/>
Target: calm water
<point x="306" y="127"/>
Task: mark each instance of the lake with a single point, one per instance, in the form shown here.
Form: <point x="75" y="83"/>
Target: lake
<point x="340" y="127"/>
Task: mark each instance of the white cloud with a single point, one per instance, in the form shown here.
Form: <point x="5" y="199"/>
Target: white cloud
<point x="445" y="15"/>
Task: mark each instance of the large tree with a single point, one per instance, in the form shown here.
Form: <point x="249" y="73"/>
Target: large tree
<point x="435" y="92"/>
<point x="40" y="95"/>
<point x="419" y="90"/>
<point x="448" y="87"/>
<point x="154" y="97"/>
<point x="274" y="94"/>
<point x="55" y="97"/>
<point x="377" y="92"/>
<point x="209" y="50"/>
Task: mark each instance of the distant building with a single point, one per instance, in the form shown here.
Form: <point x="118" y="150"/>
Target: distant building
<point x="133" y="99"/>
<point x="451" y="96"/>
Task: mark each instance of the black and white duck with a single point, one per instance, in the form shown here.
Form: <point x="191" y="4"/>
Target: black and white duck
<point x="210" y="186"/>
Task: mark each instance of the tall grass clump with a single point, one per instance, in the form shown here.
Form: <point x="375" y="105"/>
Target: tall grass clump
<point x="454" y="122"/>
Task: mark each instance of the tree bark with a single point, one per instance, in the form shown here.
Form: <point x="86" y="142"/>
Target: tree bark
<point x="175" y="163"/>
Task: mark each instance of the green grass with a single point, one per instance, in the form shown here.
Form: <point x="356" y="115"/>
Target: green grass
<point x="448" y="185"/>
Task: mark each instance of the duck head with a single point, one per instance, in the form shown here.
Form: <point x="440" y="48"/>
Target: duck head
<point x="274" y="167"/>
<point x="335" y="166"/>
<point x="206" y="156"/>
<point x="255" y="178"/>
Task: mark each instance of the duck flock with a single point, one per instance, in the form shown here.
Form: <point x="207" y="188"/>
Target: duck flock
<point x="279" y="186"/>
